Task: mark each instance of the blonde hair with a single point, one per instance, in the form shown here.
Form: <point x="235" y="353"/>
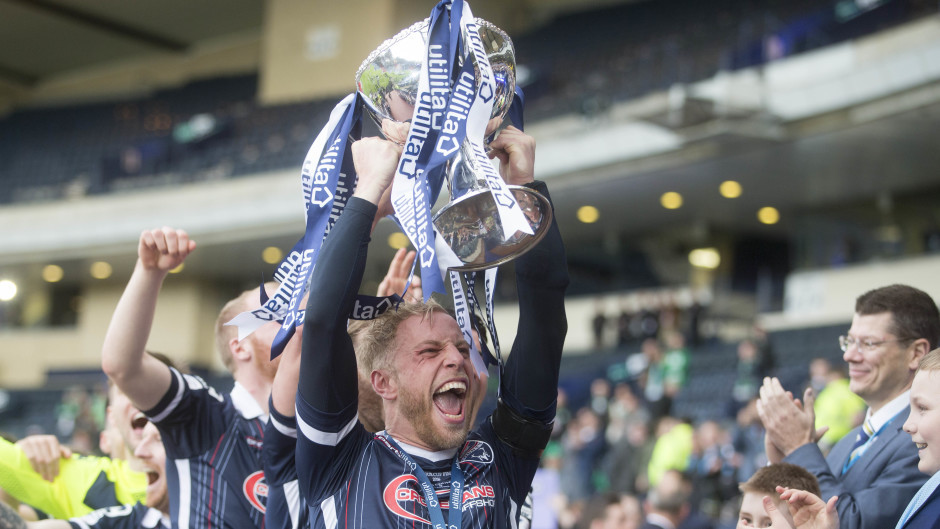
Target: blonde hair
<point x="930" y="361"/>
<point x="374" y="339"/>
<point x="247" y="300"/>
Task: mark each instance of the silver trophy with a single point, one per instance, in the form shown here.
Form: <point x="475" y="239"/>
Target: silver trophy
<point x="388" y="82"/>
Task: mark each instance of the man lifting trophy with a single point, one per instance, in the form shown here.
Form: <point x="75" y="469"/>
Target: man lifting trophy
<point x="433" y="465"/>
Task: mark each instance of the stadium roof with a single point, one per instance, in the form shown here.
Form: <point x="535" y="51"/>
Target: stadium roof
<point x="45" y="38"/>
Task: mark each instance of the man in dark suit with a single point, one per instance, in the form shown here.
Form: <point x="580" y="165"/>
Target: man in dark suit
<point x="873" y="469"/>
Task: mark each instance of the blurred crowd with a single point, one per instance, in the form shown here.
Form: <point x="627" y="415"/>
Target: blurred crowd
<point x="607" y="458"/>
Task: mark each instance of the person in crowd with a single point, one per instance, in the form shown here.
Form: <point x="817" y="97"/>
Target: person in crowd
<point x="584" y="445"/>
<point x="748" y="440"/>
<point x="547" y="496"/>
<point x="600" y="398"/>
<point x="675" y="363"/>
<point x="747" y="380"/>
<point x="599" y="324"/>
<point x="873" y="469"/>
<point x="763" y="484"/>
<point x="563" y="415"/>
<point x="40" y="472"/>
<point x="611" y="511"/>
<point x="668" y="503"/>
<point x="836" y="406"/>
<point x="653" y="380"/>
<point x="627" y="436"/>
<point x="672" y="449"/>
<point x="151" y="513"/>
<point x="625" y="335"/>
<point x="712" y="468"/>
<point x="213" y="441"/>
<point x="633" y="508"/>
<point x="806" y="510"/>
<point x="419" y="363"/>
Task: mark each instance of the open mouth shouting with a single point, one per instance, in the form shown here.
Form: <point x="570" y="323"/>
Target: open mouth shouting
<point x="152" y="477"/>
<point x="450" y="398"/>
<point x="138" y="422"/>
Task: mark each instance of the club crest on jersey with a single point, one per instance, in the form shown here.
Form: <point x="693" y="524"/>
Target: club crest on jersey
<point x="476" y="452"/>
<point x="399" y="494"/>
<point x="256" y="490"/>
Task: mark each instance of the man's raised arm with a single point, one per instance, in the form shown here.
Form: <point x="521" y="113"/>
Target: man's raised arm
<point x="141" y="377"/>
<point x="542" y="278"/>
<point x="328" y="375"/>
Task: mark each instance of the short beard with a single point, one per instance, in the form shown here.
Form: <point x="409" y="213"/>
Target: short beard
<point x="418" y="412"/>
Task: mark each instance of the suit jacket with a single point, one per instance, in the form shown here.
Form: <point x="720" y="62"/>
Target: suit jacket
<point x="928" y="516"/>
<point x="877" y="488"/>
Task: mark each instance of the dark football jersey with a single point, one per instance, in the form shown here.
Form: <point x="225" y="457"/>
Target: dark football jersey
<point x="136" y="516"/>
<point x="213" y="450"/>
<point x="356" y="480"/>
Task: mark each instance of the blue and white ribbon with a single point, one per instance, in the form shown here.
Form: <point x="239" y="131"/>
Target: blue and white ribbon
<point x="448" y="109"/>
<point x="327" y="179"/>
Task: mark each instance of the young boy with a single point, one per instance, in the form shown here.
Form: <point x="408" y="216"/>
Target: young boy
<point x="764" y="483"/>
<point x="923" y="425"/>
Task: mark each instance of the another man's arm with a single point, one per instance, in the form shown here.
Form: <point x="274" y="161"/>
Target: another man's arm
<point x="283" y="509"/>
<point x="141" y="377"/>
<point x="44" y="453"/>
<point x="327" y="391"/>
<point x="24" y="484"/>
<point x="328" y="375"/>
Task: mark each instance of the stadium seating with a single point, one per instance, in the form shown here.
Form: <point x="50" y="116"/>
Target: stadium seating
<point x="579" y="63"/>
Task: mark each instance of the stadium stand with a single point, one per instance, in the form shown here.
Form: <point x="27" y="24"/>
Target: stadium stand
<point x="581" y="63"/>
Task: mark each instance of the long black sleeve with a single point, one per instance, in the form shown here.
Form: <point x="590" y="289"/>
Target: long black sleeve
<point x="530" y="380"/>
<point x="328" y="377"/>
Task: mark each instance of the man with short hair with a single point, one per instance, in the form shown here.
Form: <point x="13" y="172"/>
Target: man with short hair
<point x="873" y="469"/>
<point x="611" y="511"/>
<point x="40" y="472"/>
<point x="213" y="441"/>
<point x="149" y="514"/>
<point x="423" y="467"/>
<point x="763" y="484"/>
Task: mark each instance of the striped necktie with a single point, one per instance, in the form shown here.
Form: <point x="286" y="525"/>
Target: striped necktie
<point x="918" y="501"/>
<point x="863" y="436"/>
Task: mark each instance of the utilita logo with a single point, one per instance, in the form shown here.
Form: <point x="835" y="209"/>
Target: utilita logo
<point x="399" y="493"/>
<point x="256" y="490"/>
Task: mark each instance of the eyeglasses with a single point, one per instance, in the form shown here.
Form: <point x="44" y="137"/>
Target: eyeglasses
<point x="866" y="345"/>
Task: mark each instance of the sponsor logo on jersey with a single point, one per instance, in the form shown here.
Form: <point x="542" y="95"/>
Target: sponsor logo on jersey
<point x="404" y="492"/>
<point x="476" y="452"/>
<point x="256" y="490"/>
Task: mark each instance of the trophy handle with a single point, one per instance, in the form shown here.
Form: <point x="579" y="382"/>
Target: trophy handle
<point x="470" y="223"/>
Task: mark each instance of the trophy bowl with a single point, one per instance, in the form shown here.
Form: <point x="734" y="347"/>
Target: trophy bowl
<point x="470" y="225"/>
